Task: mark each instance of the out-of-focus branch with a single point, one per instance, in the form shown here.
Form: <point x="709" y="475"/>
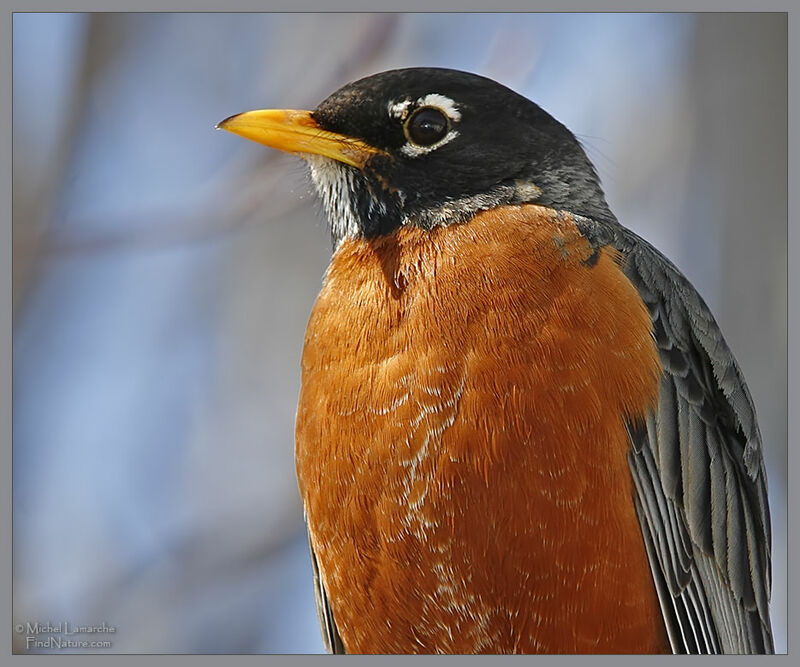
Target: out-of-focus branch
<point x="33" y="214"/>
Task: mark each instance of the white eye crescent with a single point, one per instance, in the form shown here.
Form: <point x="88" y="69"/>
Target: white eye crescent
<point x="427" y="122"/>
<point x="447" y="106"/>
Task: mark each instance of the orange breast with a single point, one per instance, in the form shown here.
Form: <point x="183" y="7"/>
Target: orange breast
<point x="461" y="443"/>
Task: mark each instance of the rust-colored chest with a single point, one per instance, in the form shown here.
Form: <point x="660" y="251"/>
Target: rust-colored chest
<point x="461" y="443"/>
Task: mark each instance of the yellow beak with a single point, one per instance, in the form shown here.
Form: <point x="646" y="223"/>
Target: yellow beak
<point x="296" y="131"/>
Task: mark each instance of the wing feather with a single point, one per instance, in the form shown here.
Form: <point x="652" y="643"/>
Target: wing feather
<point x="699" y="472"/>
<point x="330" y="633"/>
<point x="698" y="468"/>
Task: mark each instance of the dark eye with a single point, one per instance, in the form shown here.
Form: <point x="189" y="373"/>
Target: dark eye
<point x="426" y="126"/>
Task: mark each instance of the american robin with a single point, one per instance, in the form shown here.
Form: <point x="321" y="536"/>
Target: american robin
<point x="520" y="428"/>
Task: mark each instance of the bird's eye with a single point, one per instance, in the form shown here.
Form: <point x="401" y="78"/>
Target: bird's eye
<point x="426" y="126"/>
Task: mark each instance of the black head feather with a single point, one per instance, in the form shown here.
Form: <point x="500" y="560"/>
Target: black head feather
<point x="497" y="148"/>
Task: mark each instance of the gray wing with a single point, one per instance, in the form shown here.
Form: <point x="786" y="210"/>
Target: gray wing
<point x="698" y="470"/>
<point x="330" y="633"/>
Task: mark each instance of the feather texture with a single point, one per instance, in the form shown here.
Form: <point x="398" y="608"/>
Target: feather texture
<point x="699" y="487"/>
<point x="698" y="470"/>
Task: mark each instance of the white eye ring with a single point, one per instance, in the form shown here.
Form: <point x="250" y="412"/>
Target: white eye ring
<point x="400" y="110"/>
<point x="444" y="104"/>
<point x="403" y="111"/>
<point x="426" y="126"/>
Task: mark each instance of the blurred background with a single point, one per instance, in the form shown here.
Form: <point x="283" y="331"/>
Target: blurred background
<point x="164" y="273"/>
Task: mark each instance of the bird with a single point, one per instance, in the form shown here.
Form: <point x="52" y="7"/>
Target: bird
<point x="519" y="429"/>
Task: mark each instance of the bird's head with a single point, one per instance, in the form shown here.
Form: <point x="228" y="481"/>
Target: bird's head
<point x="428" y="147"/>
